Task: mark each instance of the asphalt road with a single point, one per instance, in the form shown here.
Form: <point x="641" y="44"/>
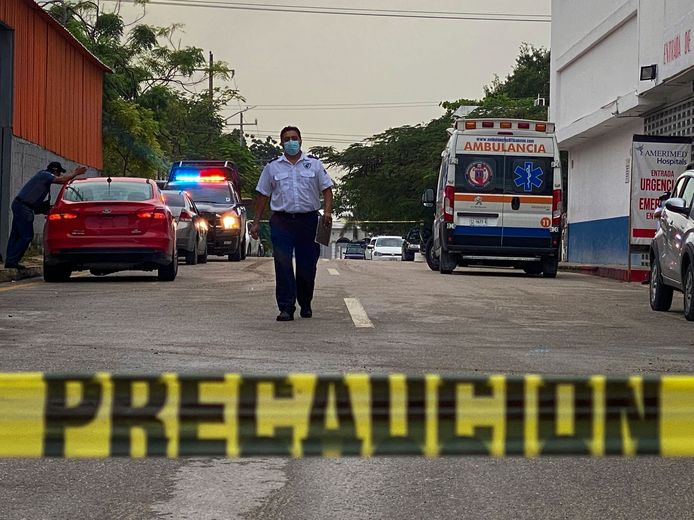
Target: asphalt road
<point x="221" y="316"/>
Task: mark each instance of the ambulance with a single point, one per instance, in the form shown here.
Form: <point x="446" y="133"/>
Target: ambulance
<point x="498" y="200"/>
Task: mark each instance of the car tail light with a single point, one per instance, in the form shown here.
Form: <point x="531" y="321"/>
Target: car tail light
<point x="524" y="126"/>
<point x="185" y="216"/>
<point x="62" y="216"/>
<point x="156" y="214"/>
<point x="470" y="125"/>
<point x="541" y="127"/>
<point x="506" y="124"/>
<point x="448" y="203"/>
<point x="556" y="208"/>
<point x="487" y="124"/>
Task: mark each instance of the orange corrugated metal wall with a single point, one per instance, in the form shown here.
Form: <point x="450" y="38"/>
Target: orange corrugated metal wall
<point x="57" y="89"/>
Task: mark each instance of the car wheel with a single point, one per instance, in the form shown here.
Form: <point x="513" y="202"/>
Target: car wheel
<point x="56" y="273"/>
<point x="168" y="272"/>
<point x="689" y="293"/>
<point x="192" y="256"/>
<point x="660" y="294"/>
<point x="236" y="255"/>
<point x="432" y="262"/>
<point x="549" y="266"/>
<point x="202" y="259"/>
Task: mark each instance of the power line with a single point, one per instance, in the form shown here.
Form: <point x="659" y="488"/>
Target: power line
<point x="370" y="107"/>
<point x="387" y="103"/>
<point x="485" y="17"/>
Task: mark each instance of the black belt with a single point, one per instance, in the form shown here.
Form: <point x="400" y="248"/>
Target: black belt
<point x="24" y="203"/>
<point x="295" y="215"/>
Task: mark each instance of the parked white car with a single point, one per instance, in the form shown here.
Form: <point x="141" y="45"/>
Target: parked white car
<point x="369" y="251"/>
<point x="387" y="248"/>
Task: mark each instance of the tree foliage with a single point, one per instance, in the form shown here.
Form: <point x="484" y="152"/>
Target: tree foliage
<point x="152" y="114"/>
<point x="387" y="173"/>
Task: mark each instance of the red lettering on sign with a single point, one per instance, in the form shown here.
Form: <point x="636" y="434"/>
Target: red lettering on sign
<point x="688" y="42"/>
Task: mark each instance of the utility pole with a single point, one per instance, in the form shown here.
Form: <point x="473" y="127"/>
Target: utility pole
<point x="211" y="79"/>
<point x="241" y="123"/>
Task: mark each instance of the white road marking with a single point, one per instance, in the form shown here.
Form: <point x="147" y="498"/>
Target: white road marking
<point x="359" y="317"/>
<point x="333" y="272"/>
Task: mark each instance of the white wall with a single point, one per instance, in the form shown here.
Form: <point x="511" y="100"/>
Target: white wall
<point x="609" y="70"/>
<point x="597" y="188"/>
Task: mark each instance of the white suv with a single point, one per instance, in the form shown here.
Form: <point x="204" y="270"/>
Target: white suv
<point x="672" y="249"/>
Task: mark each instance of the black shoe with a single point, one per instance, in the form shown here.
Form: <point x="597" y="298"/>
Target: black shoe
<point x="306" y="313"/>
<point x="285" y="316"/>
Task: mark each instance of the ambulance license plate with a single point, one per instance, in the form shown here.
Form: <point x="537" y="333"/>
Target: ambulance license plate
<point x="478" y="221"/>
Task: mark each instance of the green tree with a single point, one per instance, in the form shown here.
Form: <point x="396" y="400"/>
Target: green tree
<point x="385" y="176"/>
<point x="151" y="113"/>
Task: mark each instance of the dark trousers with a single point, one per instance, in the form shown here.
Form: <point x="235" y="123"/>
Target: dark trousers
<point x="21" y="234"/>
<point x="294" y="234"/>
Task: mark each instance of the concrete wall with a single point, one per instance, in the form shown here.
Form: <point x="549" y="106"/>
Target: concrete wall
<point x="27" y="159"/>
<point x="598" y="205"/>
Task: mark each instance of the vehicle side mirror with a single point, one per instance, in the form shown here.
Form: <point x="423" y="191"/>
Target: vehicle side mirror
<point x="428" y="198"/>
<point x="677" y="205"/>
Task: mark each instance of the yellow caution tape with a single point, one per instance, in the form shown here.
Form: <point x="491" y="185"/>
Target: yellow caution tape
<point x="233" y="415"/>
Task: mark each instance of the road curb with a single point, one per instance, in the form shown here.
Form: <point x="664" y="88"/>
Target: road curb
<point x="620" y="273"/>
<point x="13" y="275"/>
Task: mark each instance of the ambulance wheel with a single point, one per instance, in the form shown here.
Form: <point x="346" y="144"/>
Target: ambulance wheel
<point x="549" y="266"/>
<point x="432" y="262"/>
<point x="447" y="262"/>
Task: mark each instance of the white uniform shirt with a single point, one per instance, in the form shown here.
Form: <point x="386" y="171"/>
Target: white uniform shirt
<point x="294" y="188"/>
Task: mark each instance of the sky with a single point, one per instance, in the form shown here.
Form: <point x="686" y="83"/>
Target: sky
<point x="310" y="70"/>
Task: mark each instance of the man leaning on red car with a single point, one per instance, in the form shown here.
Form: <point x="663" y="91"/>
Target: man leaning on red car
<point x="29" y="201"/>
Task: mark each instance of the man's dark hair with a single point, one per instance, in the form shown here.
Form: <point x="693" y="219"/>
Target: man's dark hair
<point x="289" y="129"/>
<point x="690" y="166"/>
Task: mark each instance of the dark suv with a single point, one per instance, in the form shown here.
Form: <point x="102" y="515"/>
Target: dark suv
<point x="672" y="249"/>
<point x="220" y="205"/>
<point x="414" y="242"/>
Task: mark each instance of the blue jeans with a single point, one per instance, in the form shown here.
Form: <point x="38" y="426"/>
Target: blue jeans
<point x="21" y="234"/>
<point x="294" y="235"/>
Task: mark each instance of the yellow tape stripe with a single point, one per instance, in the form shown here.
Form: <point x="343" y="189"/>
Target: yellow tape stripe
<point x="233" y="415"/>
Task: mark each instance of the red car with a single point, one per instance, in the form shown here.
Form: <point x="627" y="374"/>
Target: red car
<point x="109" y="224"/>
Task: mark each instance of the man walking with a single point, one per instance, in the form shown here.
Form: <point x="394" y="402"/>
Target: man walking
<point x="26" y="203"/>
<point x="293" y="182"/>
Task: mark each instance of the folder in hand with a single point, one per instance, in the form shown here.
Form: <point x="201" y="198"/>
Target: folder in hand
<point x="323" y="232"/>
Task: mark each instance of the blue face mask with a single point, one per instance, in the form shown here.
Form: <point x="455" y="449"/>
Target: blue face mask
<point x="291" y="147"/>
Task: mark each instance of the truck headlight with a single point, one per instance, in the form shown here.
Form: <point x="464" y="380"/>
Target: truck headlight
<point x="231" y="221"/>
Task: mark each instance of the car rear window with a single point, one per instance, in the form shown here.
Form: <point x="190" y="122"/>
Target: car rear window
<point x="108" y="191"/>
<point x="174" y="199"/>
<point x="354" y="248"/>
<point x="389" y="242"/>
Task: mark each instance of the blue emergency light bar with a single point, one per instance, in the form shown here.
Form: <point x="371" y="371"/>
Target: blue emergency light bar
<point x="194" y="175"/>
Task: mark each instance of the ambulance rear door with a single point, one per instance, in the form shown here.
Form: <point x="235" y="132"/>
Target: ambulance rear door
<point x="528" y="192"/>
<point x="479" y="193"/>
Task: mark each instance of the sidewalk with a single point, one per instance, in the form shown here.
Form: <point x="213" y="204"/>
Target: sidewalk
<point x="34" y="268"/>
